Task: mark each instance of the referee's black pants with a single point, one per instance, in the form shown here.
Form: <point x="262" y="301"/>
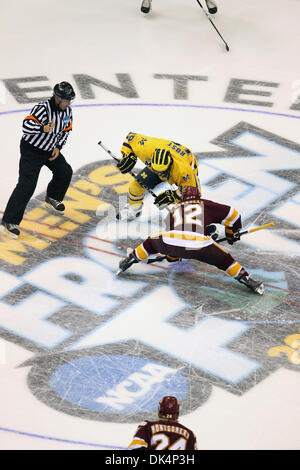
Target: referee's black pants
<point x="31" y="162"/>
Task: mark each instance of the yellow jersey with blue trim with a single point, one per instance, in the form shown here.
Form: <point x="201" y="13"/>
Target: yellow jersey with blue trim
<point x="184" y="169"/>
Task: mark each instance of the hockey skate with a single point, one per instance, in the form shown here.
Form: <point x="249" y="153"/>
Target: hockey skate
<point x="126" y="264"/>
<point x="57" y="206"/>
<point x="211" y="6"/>
<point x="146" y="6"/>
<point x="10" y="230"/>
<point x="128" y="213"/>
<point x="253" y="284"/>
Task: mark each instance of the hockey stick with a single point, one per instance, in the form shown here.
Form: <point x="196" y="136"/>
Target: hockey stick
<point x="226" y="45"/>
<point x="130" y="172"/>
<point x="158" y="259"/>
<point x="251" y="230"/>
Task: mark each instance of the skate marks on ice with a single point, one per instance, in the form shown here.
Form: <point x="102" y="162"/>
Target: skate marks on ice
<point x="108" y="348"/>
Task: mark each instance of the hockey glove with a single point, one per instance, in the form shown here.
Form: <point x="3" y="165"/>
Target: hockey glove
<point x="127" y="162"/>
<point x="212" y="231"/>
<point x="166" y="198"/>
<point x="231" y="237"/>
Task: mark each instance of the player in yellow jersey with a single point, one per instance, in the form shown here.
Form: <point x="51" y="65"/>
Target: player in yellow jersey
<point x="165" y="433"/>
<point x="165" y="161"/>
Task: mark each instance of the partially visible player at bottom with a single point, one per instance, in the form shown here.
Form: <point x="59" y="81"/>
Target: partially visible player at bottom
<point x="166" y="433"/>
<point x="189" y="236"/>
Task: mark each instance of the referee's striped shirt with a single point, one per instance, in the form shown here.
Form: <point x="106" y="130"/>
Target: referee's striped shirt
<point x="41" y="114"/>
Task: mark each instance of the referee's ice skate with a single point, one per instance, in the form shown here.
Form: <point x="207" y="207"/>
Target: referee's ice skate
<point x="10" y="230"/>
<point x="55" y="205"/>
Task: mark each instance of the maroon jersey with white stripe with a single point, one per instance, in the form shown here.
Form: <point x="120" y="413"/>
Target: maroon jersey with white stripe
<point x="163" y="435"/>
<point x="195" y="216"/>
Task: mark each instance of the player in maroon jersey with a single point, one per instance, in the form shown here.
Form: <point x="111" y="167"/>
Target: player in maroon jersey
<point x="166" y="433"/>
<point x="189" y="236"/>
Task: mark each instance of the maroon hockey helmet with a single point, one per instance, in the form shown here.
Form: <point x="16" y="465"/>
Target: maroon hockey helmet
<point x="168" y="408"/>
<point x="190" y="193"/>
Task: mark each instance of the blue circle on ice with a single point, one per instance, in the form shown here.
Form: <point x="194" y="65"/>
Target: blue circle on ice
<point x="120" y="384"/>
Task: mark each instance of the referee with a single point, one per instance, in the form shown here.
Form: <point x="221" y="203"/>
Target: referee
<point x="45" y="131"/>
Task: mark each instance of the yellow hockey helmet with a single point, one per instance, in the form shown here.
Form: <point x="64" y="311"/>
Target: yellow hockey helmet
<point x="161" y="160"/>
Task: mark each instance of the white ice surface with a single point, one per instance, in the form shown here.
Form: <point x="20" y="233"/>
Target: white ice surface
<point x="101" y="38"/>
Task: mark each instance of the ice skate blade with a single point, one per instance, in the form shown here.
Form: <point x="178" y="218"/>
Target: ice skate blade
<point x="49" y="206"/>
<point x="7" y="233"/>
<point x="129" y="219"/>
<point x="260" y="290"/>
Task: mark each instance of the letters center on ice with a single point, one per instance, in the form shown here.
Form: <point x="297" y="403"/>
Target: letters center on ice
<point x="203" y="346"/>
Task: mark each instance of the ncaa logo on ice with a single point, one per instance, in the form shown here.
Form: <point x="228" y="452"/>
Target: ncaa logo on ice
<point x="115" y="386"/>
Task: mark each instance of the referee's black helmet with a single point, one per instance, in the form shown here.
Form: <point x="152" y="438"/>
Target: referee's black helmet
<point x="64" y="90"/>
